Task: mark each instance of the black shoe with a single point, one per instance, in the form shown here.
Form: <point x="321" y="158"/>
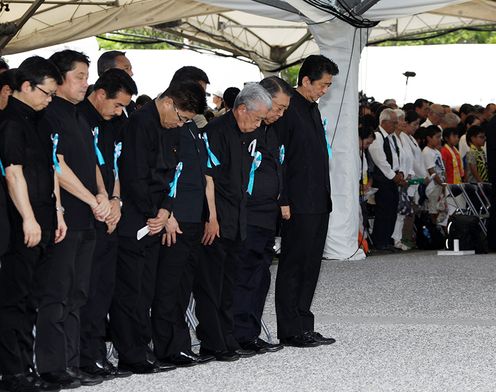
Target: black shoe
<point x="200" y="359"/>
<point x="62" y="378"/>
<point x="245" y="353"/>
<point x="85" y="378"/>
<point x="164" y="366"/>
<point x="97" y="369"/>
<point x="269" y="347"/>
<point x="39" y="383"/>
<point x="115" y="372"/>
<point x="319" y="338"/>
<point x="253" y="345"/>
<point x="182" y="359"/>
<point x="299" y="341"/>
<point x="26" y="383"/>
<point x="138" y="368"/>
<point x="222" y="356"/>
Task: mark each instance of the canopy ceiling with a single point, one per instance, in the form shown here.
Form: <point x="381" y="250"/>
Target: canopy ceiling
<point x="251" y="31"/>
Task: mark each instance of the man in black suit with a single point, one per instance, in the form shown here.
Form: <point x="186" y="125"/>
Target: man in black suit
<point x="491" y="166"/>
<point x="305" y="204"/>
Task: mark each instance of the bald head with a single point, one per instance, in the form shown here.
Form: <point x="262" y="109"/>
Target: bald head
<point x="436" y="113"/>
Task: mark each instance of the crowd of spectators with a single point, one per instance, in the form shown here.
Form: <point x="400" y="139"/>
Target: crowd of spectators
<point x="411" y="154"/>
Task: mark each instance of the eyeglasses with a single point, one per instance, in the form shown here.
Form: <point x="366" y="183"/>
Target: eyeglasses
<point x="51" y="95"/>
<point x="179" y="117"/>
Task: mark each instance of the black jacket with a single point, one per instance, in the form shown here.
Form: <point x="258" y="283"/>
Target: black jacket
<point x="146" y="168"/>
<point x="228" y="144"/>
<point x="307" y="188"/>
<point x="263" y="207"/>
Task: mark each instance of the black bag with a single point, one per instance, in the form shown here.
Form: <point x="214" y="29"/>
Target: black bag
<point x="428" y="235"/>
<point x="466" y="229"/>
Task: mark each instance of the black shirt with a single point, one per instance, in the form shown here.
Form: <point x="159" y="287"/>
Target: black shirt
<point x="263" y="208"/>
<point x="145" y="168"/>
<point x="76" y="145"/>
<point x="21" y="143"/>
<point x="107" y="140"/>
<point x="188" y="206"/>
<point x="231" y="177"/>
<point x="307" y="188"/>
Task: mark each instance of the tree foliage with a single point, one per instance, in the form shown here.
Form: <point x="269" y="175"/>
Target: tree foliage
<point x="140" y="38"/>
<point x="455" y="37"/>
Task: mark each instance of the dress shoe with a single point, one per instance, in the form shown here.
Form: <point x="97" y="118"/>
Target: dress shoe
<point x="182" y="359"/>
<point x="26" y="383"/>
<point x="299" y="341"/>
<point x="253" y="345"/>
<point x="97" y="369"/>
<point x="222" y="356"/>
<point x="244" y="353"/>
<point x="114" y="371"/>
<point x="164" y="366"/>
<point x="138" y="368"/>
<point x="85" y="378"/>
<point x="200" y="359"/>
<point x="319" y="338"/>
<point x="269" y="347"/>
<point x="62" y="378"/>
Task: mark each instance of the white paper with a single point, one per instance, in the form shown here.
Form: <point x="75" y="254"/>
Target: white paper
<point x="142" y="232"/>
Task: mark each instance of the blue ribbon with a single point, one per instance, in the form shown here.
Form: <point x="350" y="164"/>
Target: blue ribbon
<point x="329" y="149"/>
<point x="117" y="154"/>
<point x="282" y="154"/>
<point x="173" y="184"/>
<point x="211" y="158"/>
<point x="254" y="166"/>
<point x="55" y="143"/>
<point x="99" y="155"/>
<point x="2" y="169"/>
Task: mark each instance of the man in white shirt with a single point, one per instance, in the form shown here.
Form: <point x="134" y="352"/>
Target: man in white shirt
<point x="435" y="117"/>
<point x="384" y="152"/>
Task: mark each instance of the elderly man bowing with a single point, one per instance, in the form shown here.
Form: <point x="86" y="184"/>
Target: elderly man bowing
<point x="228" y="178"/>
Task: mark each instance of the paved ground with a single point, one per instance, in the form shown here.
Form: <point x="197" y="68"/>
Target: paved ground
<point x="412" y="322"/>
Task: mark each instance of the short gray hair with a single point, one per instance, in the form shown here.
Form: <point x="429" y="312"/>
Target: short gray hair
<point x="451" y="120"/>
<point x="386" y="115"/>
<point x="252" y="96"/>
<point x="399" y="113"/>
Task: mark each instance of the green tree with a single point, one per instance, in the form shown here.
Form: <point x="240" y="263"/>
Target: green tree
<point x="140" y="38"/>
<point x="455" y="37"/>
<point x="290" y="74"/>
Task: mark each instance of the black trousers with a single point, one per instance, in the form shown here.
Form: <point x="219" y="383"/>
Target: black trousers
<point x="213" y="292"/>
<point x="102" y="282"/>
<point x="252" y="282"/>
<point x="175" y="274"/>
<point x="17" y="307"/>
<point x="63" y="281"/>
<point x="302" y="246"/>
<point x="135" y="278"/>
<point x="386" y="211"/>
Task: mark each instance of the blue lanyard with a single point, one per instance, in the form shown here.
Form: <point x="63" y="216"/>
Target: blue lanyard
<point x="117" y="154"/>
<point x="282" y="154"/>
<point x="329" y="149"/>
<point x="211" y="158"/>
<point x="99" y="155"/>
<point x="173" y="184"/>
<point x="55" y="143"/>
<point x="257" y="159"/>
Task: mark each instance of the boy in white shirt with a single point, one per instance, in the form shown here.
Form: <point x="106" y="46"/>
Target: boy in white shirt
<point x="433" y="161"/>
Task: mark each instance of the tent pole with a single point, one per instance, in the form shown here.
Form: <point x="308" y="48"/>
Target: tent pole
<point x="21" y="22"/>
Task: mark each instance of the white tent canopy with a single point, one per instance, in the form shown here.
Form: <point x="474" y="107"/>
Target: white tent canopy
<point x="270" y="36"/>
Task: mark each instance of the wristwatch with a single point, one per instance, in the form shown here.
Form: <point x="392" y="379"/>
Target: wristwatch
<point x="115" y="197"/>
